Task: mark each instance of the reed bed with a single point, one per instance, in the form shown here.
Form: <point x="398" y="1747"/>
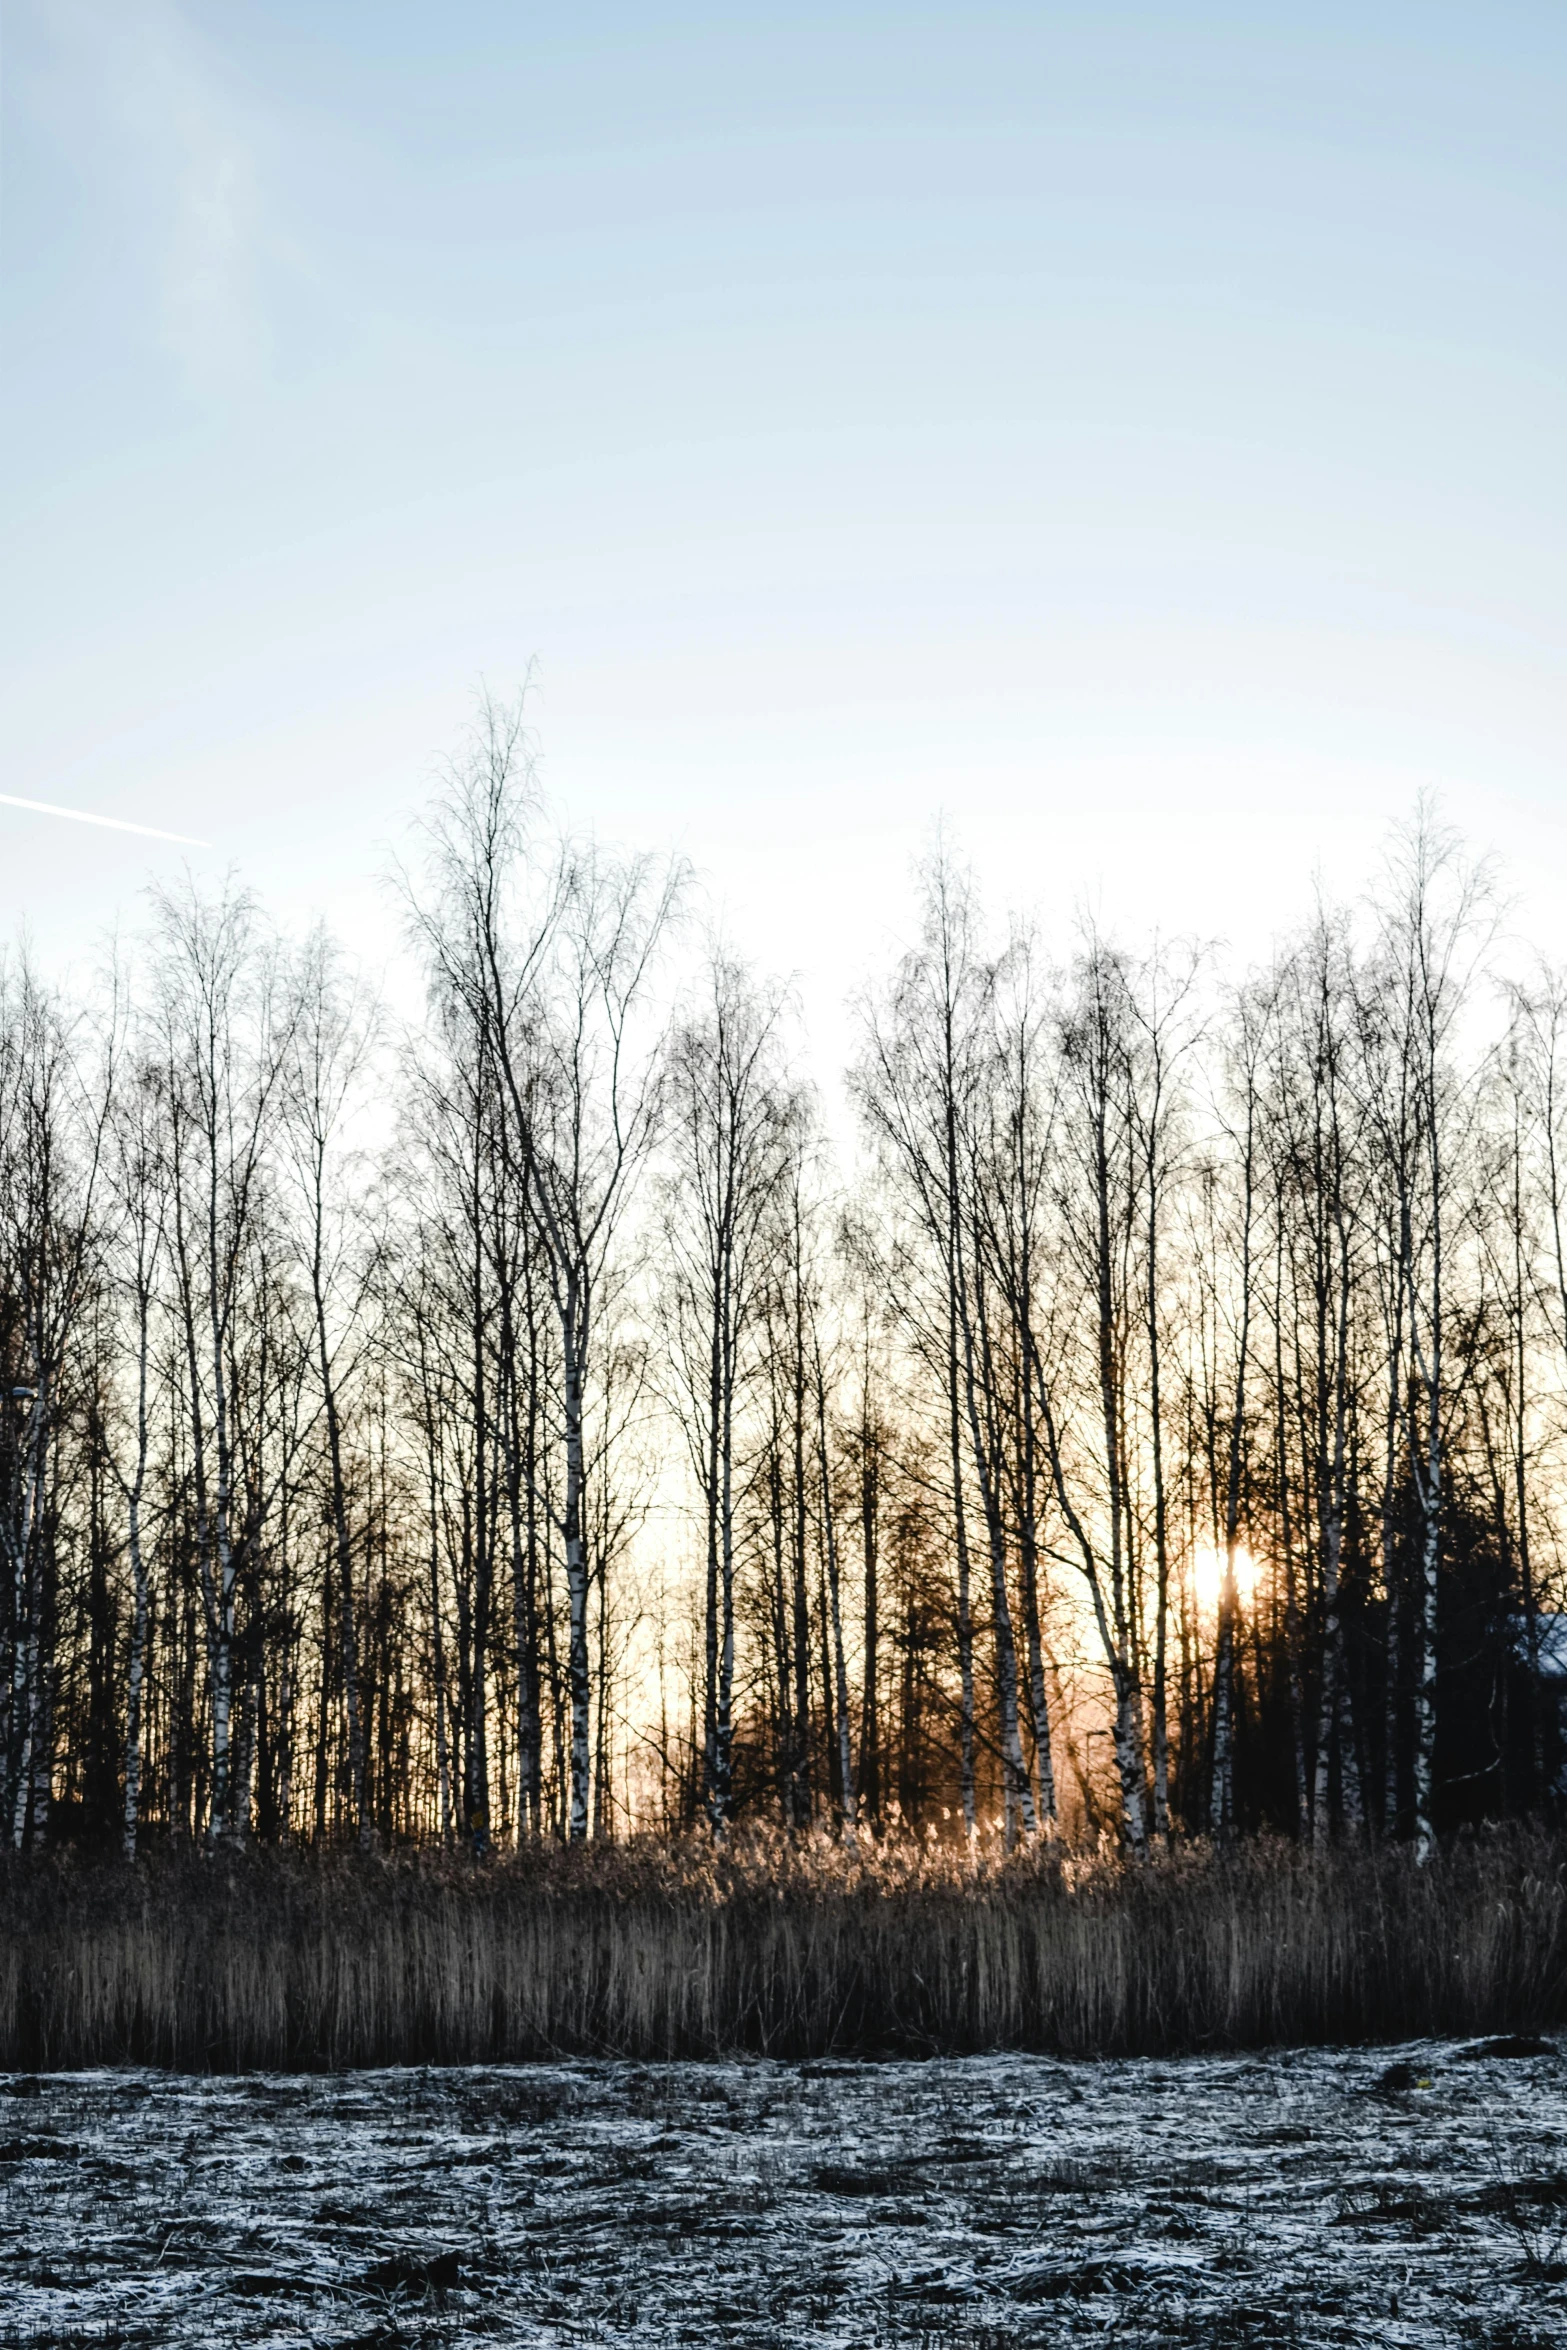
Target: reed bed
<point x="770" y="1947"/>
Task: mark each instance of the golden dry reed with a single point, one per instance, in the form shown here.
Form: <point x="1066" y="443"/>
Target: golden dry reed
<point x="228" y="1961"/>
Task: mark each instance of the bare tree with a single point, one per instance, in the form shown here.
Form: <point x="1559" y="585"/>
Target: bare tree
<point x="224" y="1043"/>
<point x="1161" y="1004"/>
<point x="1316" y="1122"/>
<point x="330" y="1035"/>
<point x="1435" y="920"/>
<point x="51" y="1139"/>
<point x="138" y="1178"/>
<point x="1014" y="1209"/>
<point x="551" y="963"/>
<point x="1252" y="1019"/>
<point x="1098" y="1204"/>
<point x="921" y="1060"/>
<point x="733" y="1121"/>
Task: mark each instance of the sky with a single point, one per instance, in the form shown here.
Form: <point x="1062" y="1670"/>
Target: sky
<point x="1134" y="434"/>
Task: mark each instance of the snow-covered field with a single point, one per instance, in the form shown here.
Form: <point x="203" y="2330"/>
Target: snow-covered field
<point x="1414" y="2195"/>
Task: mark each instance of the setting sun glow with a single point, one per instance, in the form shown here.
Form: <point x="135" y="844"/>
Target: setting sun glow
<point x="1208" y="1577"/>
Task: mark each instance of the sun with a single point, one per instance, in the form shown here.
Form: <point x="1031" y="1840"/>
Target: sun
<point x="1208" y="1576"/>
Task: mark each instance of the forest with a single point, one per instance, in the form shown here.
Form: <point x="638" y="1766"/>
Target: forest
<point x="1134" y="1419"/>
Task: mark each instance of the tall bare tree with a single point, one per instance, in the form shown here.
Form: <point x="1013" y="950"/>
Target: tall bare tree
<point x="549" y="954"/>
<point x="1435" y="918"/>
<point x="733" y="1121"/>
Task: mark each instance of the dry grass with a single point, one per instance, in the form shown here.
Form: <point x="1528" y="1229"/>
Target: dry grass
<point x="787" y="1949"/>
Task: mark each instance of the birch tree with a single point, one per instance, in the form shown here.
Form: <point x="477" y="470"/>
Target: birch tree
<point x="1434" y="919"/>
<point x="733" y="1121"/>
<point x="330" y="1033"/>
<point x="550" y="954"/>
<point x="138" y="1183"/>
<point x="51" y="1138"/>
<point x="1098" y="1203"/>
<point x="923" y="1049"/>
<point x="223" y="1041"/>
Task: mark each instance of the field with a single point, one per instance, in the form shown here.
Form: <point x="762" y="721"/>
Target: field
<point x="783" y="2094"/>
<point x="1413" y="2195"/>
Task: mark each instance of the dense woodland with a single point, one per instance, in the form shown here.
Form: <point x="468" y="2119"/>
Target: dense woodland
<point x="1142" y="1421"/>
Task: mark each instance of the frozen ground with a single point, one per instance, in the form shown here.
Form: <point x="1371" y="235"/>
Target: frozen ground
<point x="1396" y="2196"/>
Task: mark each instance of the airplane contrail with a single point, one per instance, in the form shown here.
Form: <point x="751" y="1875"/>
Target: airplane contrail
<point x="114" y="823"/>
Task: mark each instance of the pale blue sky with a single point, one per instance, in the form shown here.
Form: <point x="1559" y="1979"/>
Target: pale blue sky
<point x="1137" y="431"/>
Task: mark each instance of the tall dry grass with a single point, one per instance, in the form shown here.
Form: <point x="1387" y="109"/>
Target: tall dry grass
<point x="769" y="1947"/>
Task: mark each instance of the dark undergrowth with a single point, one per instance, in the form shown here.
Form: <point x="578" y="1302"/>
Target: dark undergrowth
<point x="302" y="1961"/>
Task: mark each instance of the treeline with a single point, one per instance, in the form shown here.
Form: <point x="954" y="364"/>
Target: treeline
<point x="526" y="1426"/>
